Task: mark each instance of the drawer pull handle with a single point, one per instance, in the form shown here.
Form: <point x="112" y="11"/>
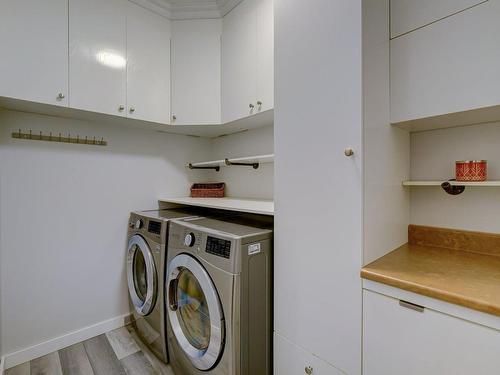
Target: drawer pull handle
<point x="411" y="306"/>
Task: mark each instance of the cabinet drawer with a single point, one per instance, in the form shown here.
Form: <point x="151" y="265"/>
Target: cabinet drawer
<point x="450" y="66"/>
<point x="289" y="359"/>
<point x="408" y="15"/>
<point x="405" y="340"/>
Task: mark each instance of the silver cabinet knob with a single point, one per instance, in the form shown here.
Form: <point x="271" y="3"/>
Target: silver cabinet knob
<point x="348" y="152"/>
<point x="132" y="109"/>
<point x="251" y="106"/>
<point x="308" y="370"/>
<point x="121" y="108"/>
<point x="60" y="96"/>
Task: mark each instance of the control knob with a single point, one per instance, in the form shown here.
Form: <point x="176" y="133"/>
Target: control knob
<point x="189" y="239"/>
<point x="139" y="224"/>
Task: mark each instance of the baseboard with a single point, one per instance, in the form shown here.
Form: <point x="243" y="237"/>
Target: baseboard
<point x="52" y="345"/>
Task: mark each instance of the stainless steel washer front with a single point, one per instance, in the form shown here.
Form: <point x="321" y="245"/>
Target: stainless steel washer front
<point x="195" y="311"/>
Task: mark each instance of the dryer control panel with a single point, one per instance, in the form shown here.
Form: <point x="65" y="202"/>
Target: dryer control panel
<point x="218" y="246"/>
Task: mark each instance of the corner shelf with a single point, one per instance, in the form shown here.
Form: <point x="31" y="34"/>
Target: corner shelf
<point x="248" y="161"/>
<point x="253" y="206"/>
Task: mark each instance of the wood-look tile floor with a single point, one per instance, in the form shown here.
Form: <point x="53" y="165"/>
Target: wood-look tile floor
<point x="119" y="352"/>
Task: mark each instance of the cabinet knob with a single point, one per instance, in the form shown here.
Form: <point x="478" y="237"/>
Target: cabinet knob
<point x="60" y="96"/>
<point x="174" y="117"/>
<point x="348" y="152"/>
<point x="121" y="108"/>
<point x="251" y="106"/>
<point x="308" y="370"/>
<point x="132" y="109"/>
<point x="259" y="103"/>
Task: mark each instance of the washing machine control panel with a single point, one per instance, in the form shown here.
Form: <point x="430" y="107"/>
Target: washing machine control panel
<point x="219" y="247"/>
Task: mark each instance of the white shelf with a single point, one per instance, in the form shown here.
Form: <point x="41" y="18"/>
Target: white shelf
<point x="262" y="159"/>
<point x="453" y="183"/>
<point x="253" y="206"/>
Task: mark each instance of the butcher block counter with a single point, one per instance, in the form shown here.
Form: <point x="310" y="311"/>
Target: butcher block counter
<point x="460" y="267"/>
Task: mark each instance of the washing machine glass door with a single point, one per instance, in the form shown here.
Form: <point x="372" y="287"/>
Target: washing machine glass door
<point x="141" y="275"/>
<point x="195" y="311"/>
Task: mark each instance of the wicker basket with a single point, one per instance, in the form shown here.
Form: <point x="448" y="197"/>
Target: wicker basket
<point x="211" y="190"/>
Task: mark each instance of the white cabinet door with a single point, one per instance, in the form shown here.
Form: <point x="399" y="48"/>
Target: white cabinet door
<point x="196" y="72"/>
<point x="34" y="43"/>
<point x="239" y="43"/>
<point x="408" y="15"/>
<point x="97" y="55"/>
<point x="289" y="359"/>
<point x="399" y="340"/>
<point x="318" y="220"/>
<point x="449" y="66"/>
<point x="148" y="65"/>
<point x="265" y="55"/>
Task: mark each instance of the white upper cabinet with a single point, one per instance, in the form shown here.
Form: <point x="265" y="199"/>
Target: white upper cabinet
<point x="239" y="51"/>
<point x="148" y="65"/>
<point x="408" y="15"/>
<point x="34" y="43"/>
<point x="449" y="66"/>
<point x="401" y="340"/>
<point x="265" y="55"/>
<point x="97" y="55"/>
<point x="196" y="72"/>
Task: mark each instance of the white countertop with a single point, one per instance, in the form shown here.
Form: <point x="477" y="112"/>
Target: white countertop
<point x="254" y="206"/>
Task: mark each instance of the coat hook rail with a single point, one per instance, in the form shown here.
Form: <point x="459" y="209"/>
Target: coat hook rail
<point x="59" y="138"/>
<point x="253" y="165"/>
<point x="215" y="167"/>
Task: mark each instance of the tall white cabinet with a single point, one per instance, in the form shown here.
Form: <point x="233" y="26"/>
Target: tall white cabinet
<point x="318" y="189"/>
<point x="34" y="43"/>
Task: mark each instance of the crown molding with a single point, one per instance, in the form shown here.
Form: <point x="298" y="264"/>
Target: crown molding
<point x="194" y="9"/>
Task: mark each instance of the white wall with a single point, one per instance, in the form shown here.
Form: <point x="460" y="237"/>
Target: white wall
<point x="246" y="181"/>
<point x="64" y="211"/>
<point x="433" y="155"/>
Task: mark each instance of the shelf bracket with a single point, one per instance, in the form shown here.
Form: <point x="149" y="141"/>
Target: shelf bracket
<point x="452" y="189"/>
<point x="253" y="165"/>
<point x="215" y="167"/>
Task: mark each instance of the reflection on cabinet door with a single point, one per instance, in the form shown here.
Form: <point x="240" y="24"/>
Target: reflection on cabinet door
<point x="239" y="48"/>
<point x="34" y="43"/>
<point x="196" y="72"/>
<point x="401" y="339"/>
<point x="265" y="55"/>
<point x="289" y="359"/>
<point x="97" y="56"/>
<point x="148" y="65"/>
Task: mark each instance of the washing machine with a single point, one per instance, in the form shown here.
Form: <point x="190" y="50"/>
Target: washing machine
<point x="218" y="295"/>
<point x="146" y="257"/>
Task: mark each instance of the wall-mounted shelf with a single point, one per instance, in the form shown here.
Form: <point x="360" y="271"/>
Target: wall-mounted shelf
<point x="253" y="161"/>
<point x="452" y="183"/>
<point x="253" y="206"/>
<point x="453" y="187"/>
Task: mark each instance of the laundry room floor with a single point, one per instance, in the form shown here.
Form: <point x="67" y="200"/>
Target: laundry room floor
<point x="119" y="352"/>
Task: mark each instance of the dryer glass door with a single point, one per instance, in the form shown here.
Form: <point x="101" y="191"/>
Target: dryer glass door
<point x="195" y="311"/>
<point x="141" y="275"/>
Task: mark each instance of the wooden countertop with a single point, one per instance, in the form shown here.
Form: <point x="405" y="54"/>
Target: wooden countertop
<point x="462" y="277"/>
